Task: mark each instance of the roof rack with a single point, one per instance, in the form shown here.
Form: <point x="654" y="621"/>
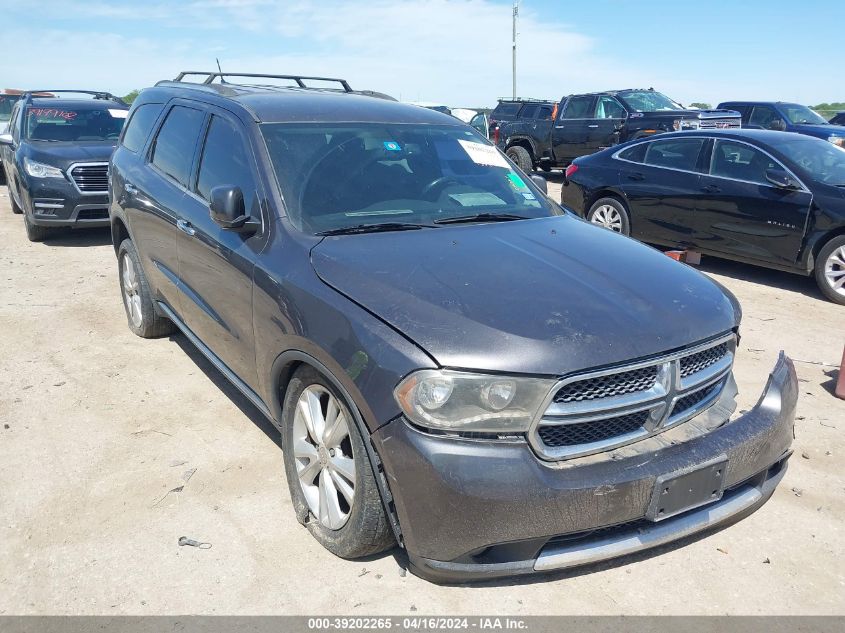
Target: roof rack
<point x="97" y="94"/>
<point x="525" y="100"/>
<point x="299" y="79"/>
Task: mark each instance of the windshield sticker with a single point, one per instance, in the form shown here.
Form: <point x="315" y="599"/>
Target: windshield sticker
<point x="53" y="113"/>
<point x="118" y="114"/>
<point x="528" y="195"/>
<point x="484" y="154"/>
<point x="516" y="181"/>
<point x="392" y="146"/>
<point x="477" y="199"/>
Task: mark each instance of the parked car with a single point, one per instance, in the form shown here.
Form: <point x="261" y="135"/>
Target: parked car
<point x="838" y="119"/>
<point x="508" y="110"/>
<point x="773" y="199"/>
<point x="787" y="117"/>
<point x="586" y="123"/>
<point x="361" y="271"/>
<point x="56" y="159"/>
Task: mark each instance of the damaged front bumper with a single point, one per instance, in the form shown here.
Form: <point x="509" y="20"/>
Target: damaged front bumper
<point x="475" y="510"/>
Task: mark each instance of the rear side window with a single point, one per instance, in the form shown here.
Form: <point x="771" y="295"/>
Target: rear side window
<point x="674" y="153"/>
<point x="578" y="108"/>
<point x="528" y="112"/>
<point x="506" y="109"/>
<point x="635" y="154"/>
<point x="545" y="112"/>
<point x="174" y="148"/>
<point x="140" y="125"/>
<point x="225" y="161"/>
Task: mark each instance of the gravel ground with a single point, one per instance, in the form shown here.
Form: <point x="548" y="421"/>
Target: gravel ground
<point x="112" y="447"/>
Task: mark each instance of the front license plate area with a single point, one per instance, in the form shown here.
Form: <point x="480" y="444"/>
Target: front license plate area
<point x="686" y="489"/>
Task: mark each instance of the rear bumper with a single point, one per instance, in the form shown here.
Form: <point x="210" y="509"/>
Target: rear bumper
<point x="473" y="510"/>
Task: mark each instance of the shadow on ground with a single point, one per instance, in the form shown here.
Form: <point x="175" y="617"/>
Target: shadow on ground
<point x="80" y="238"/>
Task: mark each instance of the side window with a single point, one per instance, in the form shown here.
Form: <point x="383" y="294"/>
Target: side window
<point x="140" y="125"/>
<point x="528" y="112"/>
<point x="763" y="116"/>
<point x="609" y="108"/>
<point x="13" y="122"/>
<point x="177" y="138"/>
<point x="674" y="153"/>
<point x="740" y="162"/>
<point x="578" y="108"/>
<point x="225" y="161"/>
<point x="635" y="153"/>
<point x="545" y="112"/>
<point x="478" y="123"/>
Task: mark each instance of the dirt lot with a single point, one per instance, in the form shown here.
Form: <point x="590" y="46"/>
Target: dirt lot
<point x="112" y="447"/>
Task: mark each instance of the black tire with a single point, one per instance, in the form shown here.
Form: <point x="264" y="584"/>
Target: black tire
<point x="521" y="157"/>
<point x="15" y="208"/>
<point x="546" y="167"/>
<point x="830" y="255"/>
<point x="366" y="530"/>
<point x="36" y="233"/>
<point x="150" y="324"/>
<point x="594" y="214"/>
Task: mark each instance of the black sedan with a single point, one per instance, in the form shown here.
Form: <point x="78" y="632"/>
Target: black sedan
<point x="774" y="199"/>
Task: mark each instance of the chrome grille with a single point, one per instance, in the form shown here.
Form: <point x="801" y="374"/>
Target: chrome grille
<point x="90" y="177"/>
<point x="605" y="409"/>
<point x="720" y="124"/>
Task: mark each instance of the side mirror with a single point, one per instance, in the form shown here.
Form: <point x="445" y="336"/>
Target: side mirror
<point x="227" y="209"/>
<point x="6" y="139"/>
<point x="541" y="183"/>
<point x="781" y="179"/>
<point x="777" y="124"/>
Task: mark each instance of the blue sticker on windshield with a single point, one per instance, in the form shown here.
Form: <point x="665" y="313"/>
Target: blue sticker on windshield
<point x="392" y="146"/>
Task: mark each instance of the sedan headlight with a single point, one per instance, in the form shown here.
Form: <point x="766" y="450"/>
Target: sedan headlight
<point x="839" y="141"/>
<point x="461" y="401"/>
<point x="40" y="170"/>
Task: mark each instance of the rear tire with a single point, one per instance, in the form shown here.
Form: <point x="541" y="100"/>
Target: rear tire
<point x="325" y="455"/>
<point x="830" y="270"/>
<point x="521" y="157"/>
<point x="34" y="232"/>
<point x="137" y="298"/>
<point x="611" y="214"/>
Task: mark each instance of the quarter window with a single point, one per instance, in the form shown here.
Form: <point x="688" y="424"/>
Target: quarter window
<point x="674" y="153"/>
<point x="528" y="112"/>
<point x="140" y="125"/>
<point x="740" y="162"/>
<point x="578" y="108"/>
<point x="225" y="162"/>
<point x="176" y="141"/>
<point x="635" y="153"/>
<point x="545" y="112"/>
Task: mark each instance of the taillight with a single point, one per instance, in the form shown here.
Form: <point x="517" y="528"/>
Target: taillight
<point x="571" y="170"/>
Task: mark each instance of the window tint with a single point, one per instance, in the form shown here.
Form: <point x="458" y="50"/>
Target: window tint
<point x="740" y="162"/>
<point x="578" y="108"/>
<point x="609" y="108"/>
<point x="507" y="109"/>
<point x="139" y="125"/>
<point x="225" y="162"/>
<point x="528" y="112"/>
<point x="545" y="112"/>
<point x="763" y="116"/>
<point x="675" y="153"/>
<point x="635" y="154"/>
<point x="176" y="141"/>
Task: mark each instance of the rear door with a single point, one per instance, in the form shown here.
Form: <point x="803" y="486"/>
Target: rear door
<point x="743" y="213"/>
<point x="216" y="264"/>
<point x="662" y="182"/>
<point x="571" y="134"/>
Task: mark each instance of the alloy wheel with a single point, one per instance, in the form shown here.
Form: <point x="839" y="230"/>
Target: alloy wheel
<point x="131" y="290"/>
<point x="834" y="270"/>
<point x="322" y="450"/>
<point x="608" y="217"/>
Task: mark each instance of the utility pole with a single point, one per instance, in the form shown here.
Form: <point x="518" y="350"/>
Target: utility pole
<point x="515" y="14"/>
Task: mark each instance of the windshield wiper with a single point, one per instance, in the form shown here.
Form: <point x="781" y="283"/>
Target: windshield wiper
<point x="376" y="228"/>
<point x="482" y="217"/>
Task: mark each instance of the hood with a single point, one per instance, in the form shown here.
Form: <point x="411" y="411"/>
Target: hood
<point x="63" y="154"/>
<point x="546" y="296"/>
<point x="821" y="131"/>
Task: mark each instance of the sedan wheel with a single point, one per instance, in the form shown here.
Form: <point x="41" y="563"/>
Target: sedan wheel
<point x="608" y="217"/>
<point x="834" y="271"/>
<point x="325" y="464"/>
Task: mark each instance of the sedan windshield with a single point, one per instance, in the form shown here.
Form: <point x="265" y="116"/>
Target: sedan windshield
<point x="353" y="176"/>
<point x="74" y="124"/>
<point x="798" y="115"/>
<point x="823" y="161"/>
<point x="648" y="101"/>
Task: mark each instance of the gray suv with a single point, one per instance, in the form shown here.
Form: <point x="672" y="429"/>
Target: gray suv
<point x="457" y="366"/>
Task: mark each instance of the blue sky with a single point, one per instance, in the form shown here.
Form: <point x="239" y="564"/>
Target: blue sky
<point x="451" y="51"/>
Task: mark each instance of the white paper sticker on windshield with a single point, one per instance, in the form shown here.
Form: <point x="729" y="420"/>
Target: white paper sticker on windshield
<point x="477" y="199"/>
<point x="118" y="114"/>
<point x="484" y="154"/>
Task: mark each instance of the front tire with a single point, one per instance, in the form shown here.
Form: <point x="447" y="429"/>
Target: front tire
<point x="610" y="213"/>
<point x="34" y="232"/>
<point x="521" y="157"/>
<point x="137" y="298"/>
<point x="830" y="270"/>
<point x="331" y="480"/>
<point x="15" y="208"/>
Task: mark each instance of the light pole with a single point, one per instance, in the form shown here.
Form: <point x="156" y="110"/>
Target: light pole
<point x="515" y="14"/>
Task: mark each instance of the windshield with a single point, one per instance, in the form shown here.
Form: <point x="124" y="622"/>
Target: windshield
<point x="359" y="175"/>
<point x="823" y="161"/>
<point x="648" y="101"/>
<point x="6" y="103"/>
<point x="798" y="114"/>
<point x="74" y="124"/>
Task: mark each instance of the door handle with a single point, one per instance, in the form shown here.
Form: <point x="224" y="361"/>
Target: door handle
<point x="711" y="189"/>
<point x="185" y="227"/>
<point x="592" y="126"/>
<point x="636" y="176"/>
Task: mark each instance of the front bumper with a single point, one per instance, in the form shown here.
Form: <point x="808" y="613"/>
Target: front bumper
<point x="475" y="510"/>
<point x="54" y="202"/>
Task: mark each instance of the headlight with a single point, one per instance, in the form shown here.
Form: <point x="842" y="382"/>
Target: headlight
<point x="40" y="170"/>
<point x="461" y="401"/>
<point x="839" y="141"/>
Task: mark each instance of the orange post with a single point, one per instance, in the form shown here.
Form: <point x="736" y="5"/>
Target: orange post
<point x="840" y="383"/>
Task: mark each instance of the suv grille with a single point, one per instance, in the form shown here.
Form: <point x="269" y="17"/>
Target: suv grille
<point x="91" y="178"/>
<point x="603" y="410"/>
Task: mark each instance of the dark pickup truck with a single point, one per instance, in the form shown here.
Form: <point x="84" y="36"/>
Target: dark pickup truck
<point x="586" y="123"/>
